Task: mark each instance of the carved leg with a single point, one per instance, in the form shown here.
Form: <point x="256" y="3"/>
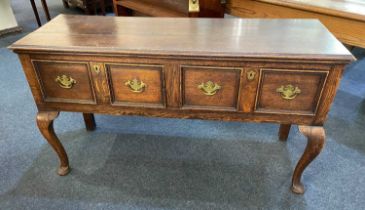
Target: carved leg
<point x="89" y="121"/>
<point x="284" y="131"/>
<point x="316" y="139"/>
<point x="45" y="125"/>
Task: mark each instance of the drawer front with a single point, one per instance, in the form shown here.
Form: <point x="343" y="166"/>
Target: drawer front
<point x="290" y="91"/>
<point x="210" y="87"/>
<point x="65" y="82"/>
<point x="136" y="85"/>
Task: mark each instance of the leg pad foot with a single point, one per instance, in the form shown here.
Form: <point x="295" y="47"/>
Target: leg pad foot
<point x="297" y="188"/>
<point x="63" y="170"/>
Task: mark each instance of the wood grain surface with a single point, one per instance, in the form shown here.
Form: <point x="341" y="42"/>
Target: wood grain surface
<point x="347" y="26"/>
<point x="183" y="36"/>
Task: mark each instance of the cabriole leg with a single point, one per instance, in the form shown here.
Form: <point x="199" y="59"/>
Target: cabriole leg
<point x="316" y="139"/>
<point x="45" y="125"/>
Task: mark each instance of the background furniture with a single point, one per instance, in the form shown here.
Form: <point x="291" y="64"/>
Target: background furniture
<point x="89" y="6"/>
<point x="45" y="9"/>
<point x="170" y="8"/>
<point x="221" y="69"/>
<point x="344" y="18"/>
<point x="8" y="23"/>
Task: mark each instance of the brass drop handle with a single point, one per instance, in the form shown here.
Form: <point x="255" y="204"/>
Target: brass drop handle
<point x="209" y="88"/>
<point x="135" y="85"/>
<point x="65" y="81"/>
<point x="288" y="92"/>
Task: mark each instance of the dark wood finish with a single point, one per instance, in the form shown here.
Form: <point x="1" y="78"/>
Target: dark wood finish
<point x="221" y="38"/>
<point x="316" y="139"/>
<point x="45" y="125"/>
<point x="35" y="11"/>
<point x="284" y="131"/>
<point x="121" y="94"/>
<point x="172" y="56"/>
<point x="48" y="71"/>
<point x="45" y="8"/>
<point x="168" y="8"/>
<point x="225" y="98"/>
<point x="89" y="6"/>
<point x="89" y="121"/>
<point x="309" y="82"/>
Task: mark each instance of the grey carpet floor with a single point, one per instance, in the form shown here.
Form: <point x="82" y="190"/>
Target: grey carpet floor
<point x="154" y="163"/>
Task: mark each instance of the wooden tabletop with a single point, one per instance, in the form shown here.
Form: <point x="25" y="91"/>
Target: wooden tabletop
<point x="232" y="37"/>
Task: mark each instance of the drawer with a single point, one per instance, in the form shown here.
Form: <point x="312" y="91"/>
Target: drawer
<point x="210" y="87"/>
<point x="290" y="91"/>
<point x="66" y="82"/>
<point x="136" y="85"/>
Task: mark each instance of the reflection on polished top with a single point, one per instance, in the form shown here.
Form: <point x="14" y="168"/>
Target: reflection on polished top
<point x="233" y="37"/>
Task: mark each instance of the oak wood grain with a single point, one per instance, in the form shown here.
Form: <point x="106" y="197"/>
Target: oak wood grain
<point x="351" y="9"/>
<point x="226" y="97"/>
<point x="316" y="139"/>
<point x="45" y="125"/>
<point x="150" y="75"/>
<point x="239" y="55"/>
<point x="310" y="84"/>
<point x="80" y="92"/>
<point x="202" y="37"/>
<point x="347" y="28"/>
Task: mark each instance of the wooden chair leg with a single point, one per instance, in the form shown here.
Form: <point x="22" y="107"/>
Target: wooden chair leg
<point x="45" y="8"/>
<point x="65" y="4"/>
<point x="34" y="7"/>
<point x="316" y="139"/>
<point x="284" y="131"/>
<point x="89" y="121"/>
<point x="102" y="7"/>
<point x="45" y="125"/>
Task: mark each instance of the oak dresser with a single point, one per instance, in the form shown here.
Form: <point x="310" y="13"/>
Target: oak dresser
<point x="276" y="71"/>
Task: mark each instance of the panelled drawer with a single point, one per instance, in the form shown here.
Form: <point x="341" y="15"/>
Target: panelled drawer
<point x="64" y="81"/>
<point x="290" y="91"/>
<point x="210" y="88"/>
<point x="136" y="85"/>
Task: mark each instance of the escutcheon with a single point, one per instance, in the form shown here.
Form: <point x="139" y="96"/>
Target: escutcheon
<point x="288" y="92"/>
<point x="251" y="75"/>
<point x="194" y="6"/>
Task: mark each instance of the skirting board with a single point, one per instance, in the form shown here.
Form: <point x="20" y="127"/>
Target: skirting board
<point x="10" y="30"/>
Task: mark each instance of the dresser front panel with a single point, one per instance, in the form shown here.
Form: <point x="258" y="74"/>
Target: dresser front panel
<point x="136" y="84"/>
<point x="247" y="89"/>
<point x="290" y="91"/>
<point x="65" y="81"/>
<point x="210" y="88"/>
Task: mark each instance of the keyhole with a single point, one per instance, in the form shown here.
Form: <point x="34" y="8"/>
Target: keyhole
<point x="251" y="75"/>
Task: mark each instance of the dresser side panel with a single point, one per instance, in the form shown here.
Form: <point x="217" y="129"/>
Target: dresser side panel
<point x="328" y="94"/>
<point x="32" y="78"/>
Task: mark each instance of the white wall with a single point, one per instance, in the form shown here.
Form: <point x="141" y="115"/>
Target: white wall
<point x="7" y="18"/>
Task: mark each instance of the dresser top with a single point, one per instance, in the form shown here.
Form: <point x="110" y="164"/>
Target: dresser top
<point x="230" y="37"/>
